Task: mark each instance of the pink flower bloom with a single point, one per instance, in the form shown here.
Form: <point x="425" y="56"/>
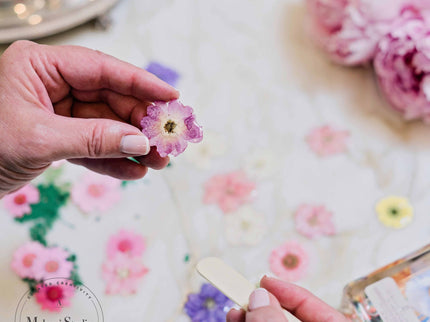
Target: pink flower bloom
<point x="402" y="65"/>
<point x="24" y="258"/>
<point x="349" y="30"/>
<point x="126" y="242"/>
<point x="18" y="203"/>
<point x="314" y="221"/>
<point x="52" y="263"/>
<point x="229" y="190"/>
<point x="53" y="295"/>
<point x="96" y="192"/>
<point x="326" y="141"/>
<point x="122" y="274"/>
<point x="289" y="261"/>
<point x="169" y="125"/>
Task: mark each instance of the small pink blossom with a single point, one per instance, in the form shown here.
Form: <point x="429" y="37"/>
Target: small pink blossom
<point x="24" y="258"/>
<point x="122" y="274"/>
<point x="289" y="261"/>
<point x="125" y="242"/>
<point x="18" y="202"/>
<point x="169" y="126"/>
<point x="326" y="141"/>
<point x="53" y="295"/>
<point x="96" y="192"/>
<point x="229" y="191"/>
<point x="314" y="221"/>
<point x="52" y="263"/>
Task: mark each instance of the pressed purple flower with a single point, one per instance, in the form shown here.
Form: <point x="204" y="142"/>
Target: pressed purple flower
<point x="210" y="305"/>
<point x="164" y="73"/>
<point x="170" y="126"/>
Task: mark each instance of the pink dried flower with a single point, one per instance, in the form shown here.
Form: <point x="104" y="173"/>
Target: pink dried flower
<point x="24" y="258"/>
<point x="349" y="30"/>
<point x="314" y="221"/>
<point x="122" y="274"/>
<point x="96" y="192"/>
<point x="289" y="261"/>
<point x="402" y="64"/>
<point x="326" y="141"/>
<point x="18" y="203"/>
<point x="169" y="126"/>
<point x="125" y="242"/>
<point x="52" y="263"/>
<point x="54" y="295"/>
<point x="229" y="191"/>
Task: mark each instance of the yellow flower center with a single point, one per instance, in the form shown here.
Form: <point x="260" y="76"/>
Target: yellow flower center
<point x="169" y="127"/>
<point x="290" y="261"/>
<point x="210" y="303"/>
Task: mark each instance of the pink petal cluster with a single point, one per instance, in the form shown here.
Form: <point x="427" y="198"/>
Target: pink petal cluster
<point x="55" y="295"/>
<point x="34" y="261"/>
<point x="289" y="261"/>
<point x="349" y="30"/>
<point x="96" y="192"/>
<point x="123" y="267"/>
<point x="402" y="65"/>
<point x="18" y="203"/>
<point x="326" y="140"/>
<point x="229" y="191"/>
<point x="170" y="126"/>
<point x="314" y="221"/>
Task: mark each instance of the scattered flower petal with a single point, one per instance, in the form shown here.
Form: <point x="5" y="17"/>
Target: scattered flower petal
<point x="169" y="126"/>
<point x="96" y="192"/>
<point x="395" y="212"/>
<point x="122" y="274"/>
<point x="164" y="73"/>
<point x="208" y="305"/>
<point x="229" y="191"/>
<point x="326" y="141"/>
<point x="314" y="221"/>
<point x="18" y="202"/>
<point x="126" y="242"/>
<point x="245" y="227"/>
<point x="261" y="164"/>
<point x="54" y="295"/>
<point x="289" y="261"/>
<point x="24" y="258"/>
<point x="52" y="263"/>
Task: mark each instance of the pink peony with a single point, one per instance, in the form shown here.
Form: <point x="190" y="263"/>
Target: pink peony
<point x="326" y="141"/>
<point x="52" y="263"/>
<point x="96" y="192"/>
<point x="126" y="242"/>
<point x="349" y="30"/>
<point x="314" y="221"/>
<point x="122" y="274"/>
<point x="229" y="191"/>
<point x="402" y="65"/>
<point x="289" y="261"/>
<point x="24" y="258"/>
<point x="169" y="126"/>
<point x="18" y="203"/>
<point x="53" y="295"/>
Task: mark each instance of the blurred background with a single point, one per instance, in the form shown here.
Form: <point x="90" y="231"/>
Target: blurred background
<point x="314" y="142"/>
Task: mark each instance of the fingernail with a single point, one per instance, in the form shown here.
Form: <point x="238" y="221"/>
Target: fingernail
<point x="259" y="298"/>
<point x="135" y="144"/>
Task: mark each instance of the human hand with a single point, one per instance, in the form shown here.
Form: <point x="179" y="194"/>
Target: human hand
<point x="69" y="102"/>
<point x="265" y="306"/>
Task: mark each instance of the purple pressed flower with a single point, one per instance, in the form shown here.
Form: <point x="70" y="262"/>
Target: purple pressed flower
<point x="164" y="73"/>
<point x="170" y="126"/>
<point x="210" y="305"/>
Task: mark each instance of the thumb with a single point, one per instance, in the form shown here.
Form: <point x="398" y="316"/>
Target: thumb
<point x="264" y="307"/>
<point x="95" y="138"/>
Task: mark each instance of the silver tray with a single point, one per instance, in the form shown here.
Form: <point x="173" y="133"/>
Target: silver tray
<point x="31" y="19"/>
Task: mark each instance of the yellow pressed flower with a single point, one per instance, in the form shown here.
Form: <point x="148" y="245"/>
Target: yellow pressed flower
<point x="394" y="211"/>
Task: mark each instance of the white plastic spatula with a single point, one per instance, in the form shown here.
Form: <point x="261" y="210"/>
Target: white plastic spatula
<point x="230" y="282"/>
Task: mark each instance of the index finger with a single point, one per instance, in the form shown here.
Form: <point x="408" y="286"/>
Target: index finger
<point x="300" y="302"/>
<point x="86" y="69"/>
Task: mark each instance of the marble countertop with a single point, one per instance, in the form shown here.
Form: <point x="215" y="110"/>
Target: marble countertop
<point x="259" y="87"/>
